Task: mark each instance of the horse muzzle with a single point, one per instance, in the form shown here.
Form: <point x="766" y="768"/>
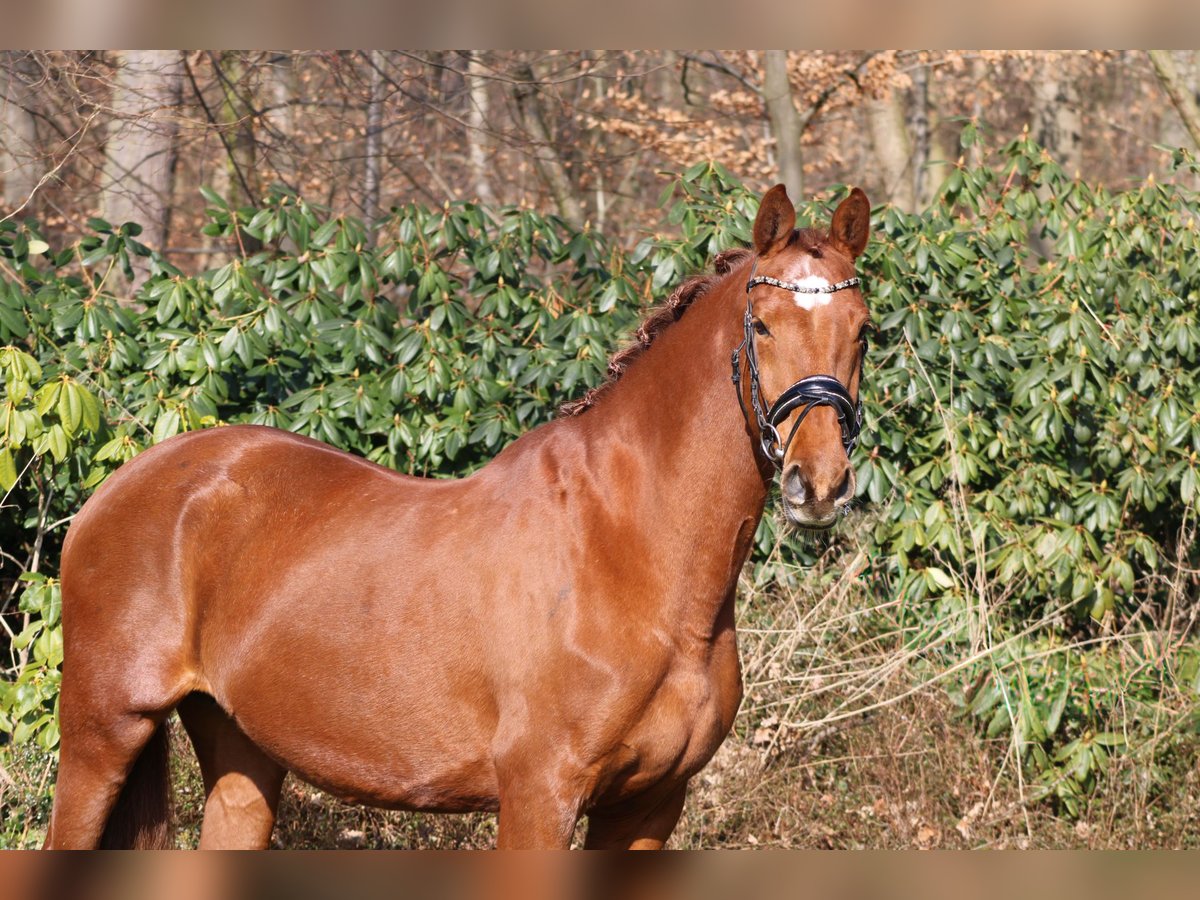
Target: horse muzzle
<point x="816" y="493"/>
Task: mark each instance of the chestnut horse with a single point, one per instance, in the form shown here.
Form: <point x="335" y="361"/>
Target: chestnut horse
<point x="550" y="637"/>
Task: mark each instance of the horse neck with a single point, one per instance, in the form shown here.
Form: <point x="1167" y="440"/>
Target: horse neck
<point x="679" y="452"/>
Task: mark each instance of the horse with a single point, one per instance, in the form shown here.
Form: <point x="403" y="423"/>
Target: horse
<point x="549" y="638"/>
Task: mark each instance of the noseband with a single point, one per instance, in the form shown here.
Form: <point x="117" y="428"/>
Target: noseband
<point x="810" y="392"/>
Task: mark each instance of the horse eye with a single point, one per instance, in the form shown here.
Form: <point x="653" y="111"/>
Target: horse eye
<point x="761" y="327"/>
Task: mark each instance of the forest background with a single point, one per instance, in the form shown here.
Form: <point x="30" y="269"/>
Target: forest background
<point x="588" y="135"/>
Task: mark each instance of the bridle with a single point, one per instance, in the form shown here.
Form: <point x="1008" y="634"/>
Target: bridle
<point x="810" y="392"/>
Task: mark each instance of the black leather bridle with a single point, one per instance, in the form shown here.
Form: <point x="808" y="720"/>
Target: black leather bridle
<point x="810" y="392"/>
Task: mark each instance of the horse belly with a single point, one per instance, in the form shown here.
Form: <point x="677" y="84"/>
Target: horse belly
<point x="366" y="744"/>
<point x="375" y="696"/>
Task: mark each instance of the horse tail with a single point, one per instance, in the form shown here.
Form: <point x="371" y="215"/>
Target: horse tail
<point x="141" y="818"/>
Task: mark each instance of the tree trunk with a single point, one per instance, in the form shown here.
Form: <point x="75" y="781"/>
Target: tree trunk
<point x="670" y="85"/>
<point x="938" y="156"/>
<point x="237" y="119"/>
<point x="893" y="148"/>
<point x="979" y="75"/>
<point x="1181" y="96"/>
<point x="18" y="141"/>
<point x="1057" y="124"/>
<point x="596" y="140"/>
<point x="921" y="142"/>
<point x="546" y="158"/>
<point x="477" y="130"/>
<point x="374" y="161"/>
<point x="139" y="165"/>
<point x="929" y="153"/>
<point x="785" y="121"/>
<point x="281" y="91"/>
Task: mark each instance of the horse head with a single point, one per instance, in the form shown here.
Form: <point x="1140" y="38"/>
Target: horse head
<point x="805" y="327"/>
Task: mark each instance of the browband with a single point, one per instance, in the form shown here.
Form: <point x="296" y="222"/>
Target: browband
<point x="802" y="288"/>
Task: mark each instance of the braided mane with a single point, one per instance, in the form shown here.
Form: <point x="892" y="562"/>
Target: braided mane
<point x="676" y="305"/>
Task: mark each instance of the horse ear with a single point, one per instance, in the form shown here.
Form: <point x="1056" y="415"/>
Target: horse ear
<point x="852" y="223"/>
<point x="775" y="221"/>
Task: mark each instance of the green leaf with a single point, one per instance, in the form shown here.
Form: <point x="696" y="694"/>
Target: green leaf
<point x="90" y="408"/>
<point x="47" y="396"/>
<point x="70" y="408"/>
<point x="213" y="197"/>
<point x="322" y="235"/>
<point x="939" y="578"/>
<point x="58" y="443"/>
<point x="1054" y="716"/>
<point x="8" y="470"/>
<point x="166" y="425"/>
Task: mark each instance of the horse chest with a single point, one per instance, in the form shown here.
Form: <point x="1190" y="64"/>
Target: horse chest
<point x="682" y="725"/>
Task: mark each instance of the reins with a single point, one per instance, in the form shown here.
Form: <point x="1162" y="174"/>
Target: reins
<point x="810" y="392"/>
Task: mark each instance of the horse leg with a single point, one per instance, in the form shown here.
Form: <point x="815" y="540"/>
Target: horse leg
<point x="644" y="824"/>
<point x="96" y="755"/>
<point x="241" y="783"/>
<point x="534" y="815"/>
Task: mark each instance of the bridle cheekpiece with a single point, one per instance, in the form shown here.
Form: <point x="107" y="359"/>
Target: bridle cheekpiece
<point x="810" y="392"/>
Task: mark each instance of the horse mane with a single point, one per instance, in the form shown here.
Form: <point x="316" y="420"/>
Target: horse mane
<point x="659" y="318"/>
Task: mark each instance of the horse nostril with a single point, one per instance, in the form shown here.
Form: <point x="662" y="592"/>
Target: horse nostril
<point x="793" y="485"/>
<point x="845" y="490"/>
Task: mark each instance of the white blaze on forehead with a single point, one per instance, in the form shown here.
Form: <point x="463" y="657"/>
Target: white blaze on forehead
<point x="811" y="301"/>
